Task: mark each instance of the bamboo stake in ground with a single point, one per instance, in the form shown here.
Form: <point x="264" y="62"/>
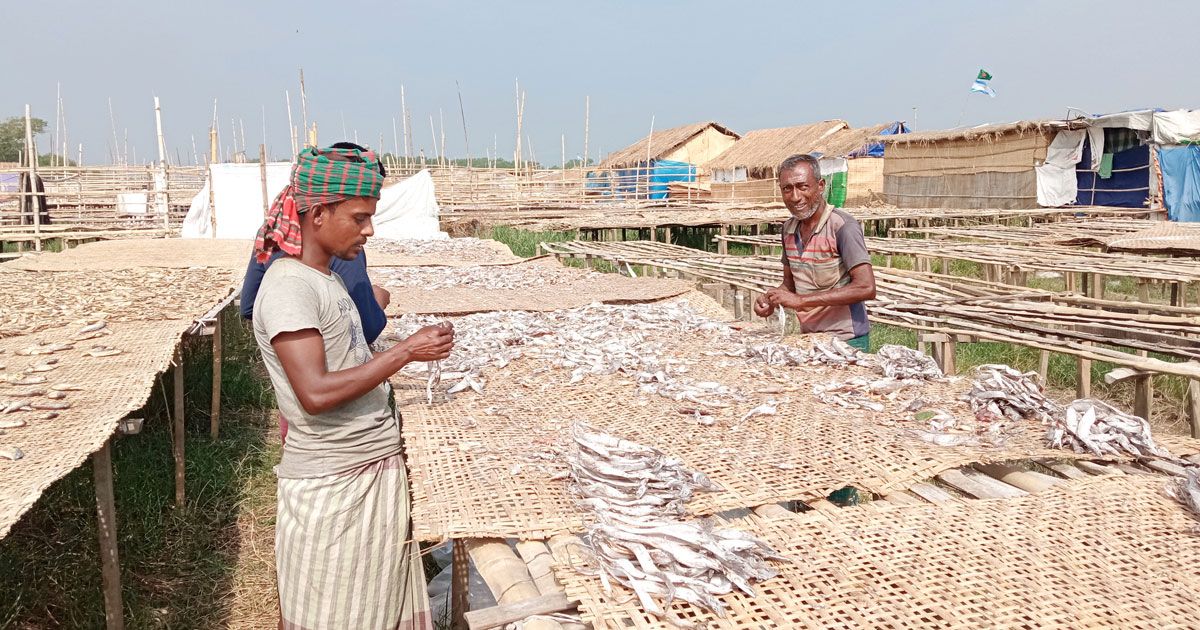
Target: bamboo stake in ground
<point x="178" y="428"/>
<point x="106" y="520"/>
<point x="214" y="424"/>
<point x="32" y="157"/>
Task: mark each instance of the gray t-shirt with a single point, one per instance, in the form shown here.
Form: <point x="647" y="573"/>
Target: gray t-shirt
<point x="295" y="297"/>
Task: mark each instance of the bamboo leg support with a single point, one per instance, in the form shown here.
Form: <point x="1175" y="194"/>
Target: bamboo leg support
<point x="1083" y="388"/>
<point x="178" y="429"/>
<point x="218" y="351"/>
<point x="1193" y="407"/>
<point x="1043" y="366"/>
<point x="460" y="584"/>
<point x="106" y="517"/>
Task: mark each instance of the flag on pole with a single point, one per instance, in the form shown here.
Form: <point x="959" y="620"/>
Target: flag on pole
<point x="981" y="83"/>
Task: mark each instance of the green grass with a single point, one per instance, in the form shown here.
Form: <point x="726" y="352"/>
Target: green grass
<point x="177" y="564"/>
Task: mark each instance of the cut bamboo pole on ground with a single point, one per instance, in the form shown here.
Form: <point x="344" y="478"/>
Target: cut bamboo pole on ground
<point x="506" y="576"/>
<point x="217" y="354"/>
<point x="106" y="518"/>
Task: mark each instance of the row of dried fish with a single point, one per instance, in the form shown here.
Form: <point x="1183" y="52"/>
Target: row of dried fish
<point x="636" y="495"/>
<point x="1000" y="393"/>
<point x="1186" y="490"/>
<point x="591" y="340"/>
<point x="36" y="301"/>
<point x="457" y="249"/>
<point x="477" y="277"/>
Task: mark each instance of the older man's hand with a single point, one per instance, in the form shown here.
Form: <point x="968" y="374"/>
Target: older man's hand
<point x="763" y="307"/>
<point x="782" y="297"/>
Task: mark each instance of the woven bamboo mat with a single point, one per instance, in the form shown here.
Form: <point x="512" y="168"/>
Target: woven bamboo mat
<point x="453" y="252"/>
<point x="482" y="464"/>
<point x="111" y="387"/>
<point x="170" y="253"/>
<point x="571" y="287"/>
<point x="37" y="300"/>
<point x="1103" y="553"/>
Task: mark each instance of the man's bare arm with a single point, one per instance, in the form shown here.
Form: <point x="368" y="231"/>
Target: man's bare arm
<point x="302" y="355"/>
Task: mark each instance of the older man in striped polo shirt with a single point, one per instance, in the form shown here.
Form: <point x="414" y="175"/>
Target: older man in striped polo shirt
<point x="827" y="273"/>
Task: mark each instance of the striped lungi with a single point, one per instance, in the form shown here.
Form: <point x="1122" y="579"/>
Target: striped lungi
<point x="343" y="553"/>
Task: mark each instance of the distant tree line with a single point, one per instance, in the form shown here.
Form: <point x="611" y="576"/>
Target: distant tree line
<point x="12" y="140"/>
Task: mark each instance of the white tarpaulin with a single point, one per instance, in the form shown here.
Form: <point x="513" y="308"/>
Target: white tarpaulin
<point x="1177" y="127"/>
<point x="1140" y="120"/>
<point x="238" y="197"/>
<point x="1056" y="183"/>
<point x="408" y="209"/>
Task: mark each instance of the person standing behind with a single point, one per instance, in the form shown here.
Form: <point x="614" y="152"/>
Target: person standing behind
<point x="343" y="552"/>
<point x="827" y="273"/>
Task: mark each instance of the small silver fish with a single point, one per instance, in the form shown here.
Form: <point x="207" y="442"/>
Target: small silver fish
<point x="11" y="423"/>
<point x="65" y="387"/>
<point x="11" y="453"/>
<point x="103" y="351"/>
<point x="56" y="395"/>
<point x="51" y="405"/>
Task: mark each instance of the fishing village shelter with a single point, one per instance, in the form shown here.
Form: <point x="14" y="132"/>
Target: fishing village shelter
<point x="851" y="161"/>
<point x="644" y="168"/>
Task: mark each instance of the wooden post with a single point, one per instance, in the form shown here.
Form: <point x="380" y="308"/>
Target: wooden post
<point x="218" y="351"/>
<point x="32" y="158"/>
<point x="1083" y="389"/>
<point x="667" y="234"/>
<point x="1143" y="396"/>
<point x="723" y="245"/>
<point x="950" y="357"/>
<point x="106" y="517"/>
<point x="1096" y="286"/>
<point x="160" y="185"/>
<point x="212" y="159"/>
<point x="1043" y="366"/>
<point x="177" y="424"/>
<point x="460" y="584"/>
<point x="1193" y="406"/>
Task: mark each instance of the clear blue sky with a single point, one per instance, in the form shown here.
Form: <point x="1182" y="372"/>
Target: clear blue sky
<point x="747" y="65"/>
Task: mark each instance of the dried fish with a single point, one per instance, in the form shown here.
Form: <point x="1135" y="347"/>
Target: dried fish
<point x="49" y="415"/>
<point x="13" y="405"/>
<point x="1000" y="393"/>
<point x="50" y="405"/>
<point x="1093" y="426"/>
<point x="1186" y="490"/>
<point x="834" y="351"/>
<point x="103" y="351"/>
<point x="946" y="439"/>
<point x="478" y="277"/>
<point x="635" y="493"/>
<point x="44" y="348"/>
<point x="902" y="362"/>
<point x="66" y="387"/>
<point x="768" y="408"/>
<point x="458" y="249"/>
<point x="11" y="453"/>
<point x="28" y="379"/>
<point x="11" y="423"/>
<point x="41" y="367"/>
<point x="91" y="331"/>
<point x="56" y="395"/>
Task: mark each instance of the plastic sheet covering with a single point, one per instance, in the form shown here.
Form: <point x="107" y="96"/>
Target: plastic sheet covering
<point x="1056" y="184"/>
<point x="238" y="197"/>
<point x="1177" y="127"/>
<point x="1181" y="182"/>
<point x="408" y="209"/>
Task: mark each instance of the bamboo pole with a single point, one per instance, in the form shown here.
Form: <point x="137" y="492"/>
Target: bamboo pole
<point x="587" y="118"/>
<point x="291" y="125"/>
<point x="212" y="197"/>
<point x="217" y="353"/>
<point x="106" y="520"/>
<point x="177" y="423"/>
<point x="160" y="193"/>
<point x="304" y="107"/>
<point x="31" y="157"/>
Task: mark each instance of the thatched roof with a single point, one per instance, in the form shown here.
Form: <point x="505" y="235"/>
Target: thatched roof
<point x="766" y="148"/>
<point x="661" y="143"/>
<point x="986" y="133"/>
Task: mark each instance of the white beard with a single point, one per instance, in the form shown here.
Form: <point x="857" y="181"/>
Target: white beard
<point x="806" y="213"/>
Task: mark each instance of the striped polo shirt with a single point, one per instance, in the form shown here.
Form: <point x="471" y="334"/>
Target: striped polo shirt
<point x="824" y="263"/>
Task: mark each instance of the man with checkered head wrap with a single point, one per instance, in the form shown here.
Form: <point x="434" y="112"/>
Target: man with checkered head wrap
<point x="343" y="545"/>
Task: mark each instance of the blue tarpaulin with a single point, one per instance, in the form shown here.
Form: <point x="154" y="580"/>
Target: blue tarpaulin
<point x="1181" y="182"/>
<point x="875" y="149"/>
<point x="1127" y="187"/>
<point x="641" y="181"/>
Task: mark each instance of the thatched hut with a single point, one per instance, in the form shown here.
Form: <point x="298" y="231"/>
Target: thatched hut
<point x="694" y="144"/>
<point x="647" y="168"/>
<point x="851" y="161"/>
<point x="990" y="166"/>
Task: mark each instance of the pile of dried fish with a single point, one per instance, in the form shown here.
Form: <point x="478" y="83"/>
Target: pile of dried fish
<point x="617" y="476"/>
<point x="636" y="495"/>
<point x="771" y="353"/>
<point x="902" y="362"/>
<point x="1093" y="426"/>
<point x="855" y="393"/>
<point x="834" y="351"/>
<point x="458" y="249"/>
<point x="1186" y="490"/>
<point x="477" y="277"/>
<point x="1000" y="393"/>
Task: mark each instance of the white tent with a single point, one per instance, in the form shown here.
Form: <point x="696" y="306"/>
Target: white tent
<point x="407" y="209"/>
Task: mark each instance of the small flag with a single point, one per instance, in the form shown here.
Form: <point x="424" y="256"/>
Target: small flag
<point x="983" y="88"/>
<point x="981" y="83"/>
